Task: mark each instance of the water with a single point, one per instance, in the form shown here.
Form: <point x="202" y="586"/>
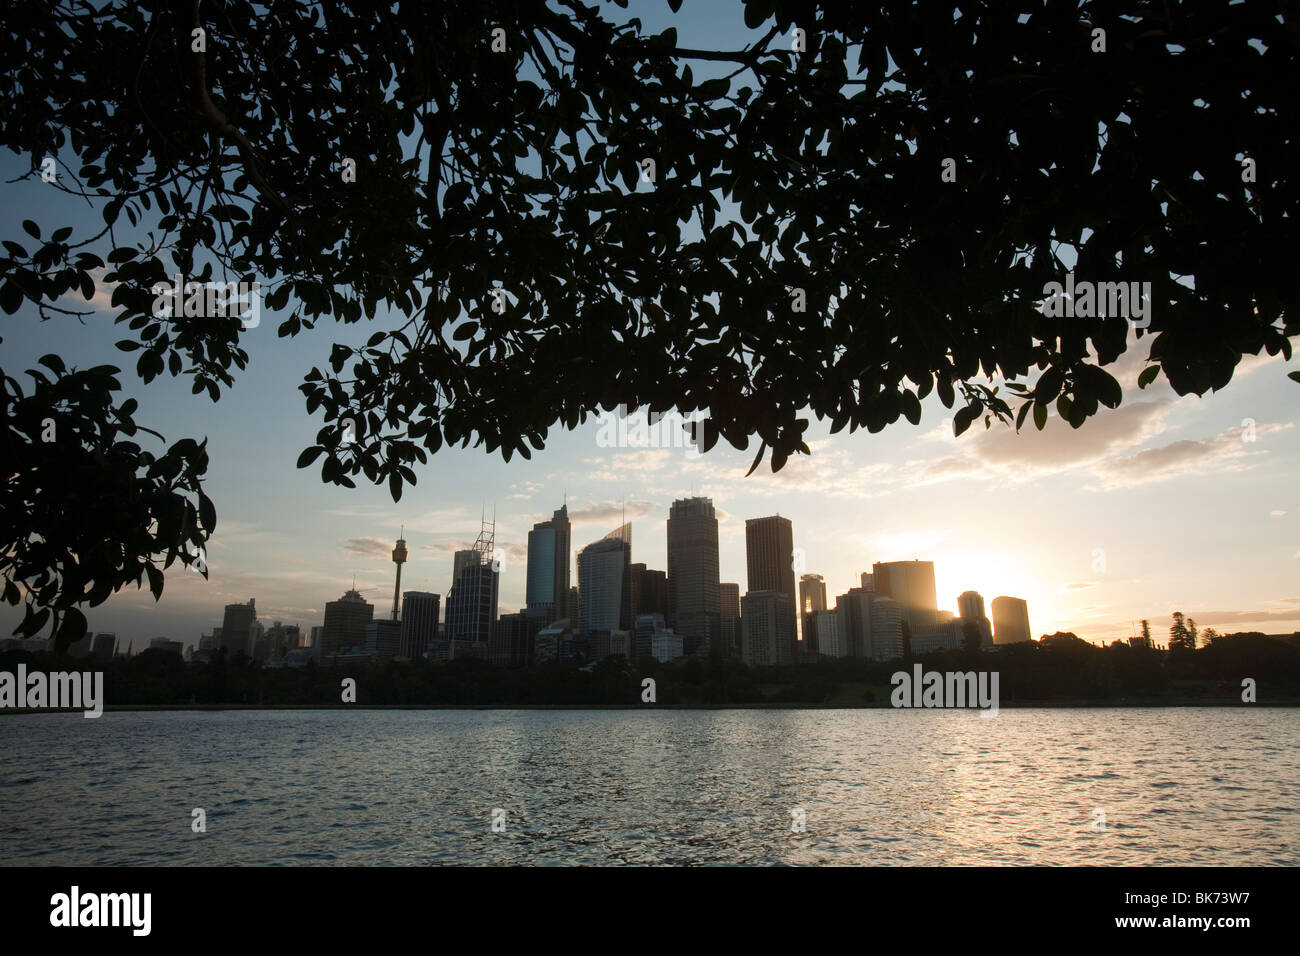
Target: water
<point x="1193" y="786"/>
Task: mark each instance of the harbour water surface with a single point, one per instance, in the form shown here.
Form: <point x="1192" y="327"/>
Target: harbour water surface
<point x="1190" y="786"/>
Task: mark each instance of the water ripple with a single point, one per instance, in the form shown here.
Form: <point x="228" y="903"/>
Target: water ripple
<point x="652" y="787"/>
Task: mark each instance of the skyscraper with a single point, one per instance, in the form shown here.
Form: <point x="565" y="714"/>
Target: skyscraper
<point x="868" y="625"/>
<point x="237" y="628"/>
<point x="729" y="605"/>
<point x="769" y="559"/>
<point x="853" y="622"/>
<point x="604" y="585"/>
<point x="420" y="610"/>
<point x="383" y="639"/>
<point x="767" y="633"/>
<point x="549" y="547"/>
<point x="345" y="624"/>
<point x="472" y="600"/>
<point x="812" y="598"/>
<point x="693" y="609"/>
<point x="911" y="584"/>
<point x="970" y="604"/>
<point x="512" y="640"/>
<point x="649" y="591"/>
<point x="279" y="640"/>
<point x="825" y="626"/>
<point x="1010" y="620"/>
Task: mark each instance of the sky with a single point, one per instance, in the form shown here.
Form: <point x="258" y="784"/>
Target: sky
<point x="1165" y="504"/>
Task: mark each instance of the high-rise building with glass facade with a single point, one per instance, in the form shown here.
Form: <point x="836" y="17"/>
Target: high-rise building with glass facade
<point x="549" y="547"/>
<point x="767" y="633"/>
<point x="769" y="558"/>
<point x="1010" y="620"/>
<point x="345" y="624"/>
<point x="604" y="585"/>
<point x="693" y="609"/>
<point x="729" y="605"/>
<point x="911" y="584"/>
<point x="420" y="612"/>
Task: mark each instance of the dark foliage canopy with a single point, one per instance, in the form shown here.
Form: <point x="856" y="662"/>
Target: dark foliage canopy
<point x="505" y="144"/>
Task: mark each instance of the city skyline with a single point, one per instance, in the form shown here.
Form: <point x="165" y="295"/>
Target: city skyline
<point x="1165" y="503"/>
<point x="1211" y="530"/>
<point x="810" y="590"/>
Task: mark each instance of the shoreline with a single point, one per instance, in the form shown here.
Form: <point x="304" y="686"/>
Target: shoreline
<point x="1067" y="704"/>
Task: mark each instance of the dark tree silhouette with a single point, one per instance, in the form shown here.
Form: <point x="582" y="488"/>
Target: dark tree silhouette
<point x="1180" y="637"/>
<point x="764" y="232"/>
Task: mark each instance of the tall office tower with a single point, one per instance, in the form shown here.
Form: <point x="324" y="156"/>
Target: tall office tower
<point x="812" y="598"/>
<point x="316" y="632"/>
<point x="729" y="605"/>
<point x="911" y="584"/>
<point x="237" y="628"/>
<point x="826" y="628"/>
<point x="604" y="582"/>
<point x="1010" y="620"/>
<point x="472" y="600"/>
<point x="549" y="547"/>
<point x="512" y="640"/>
<point x="693" y="609"/>
<point x="280" y="639"/>
<point x="345" y="624"/>
<point x="257" y="640"/>
<point x="399" y="558"/>
<point x="769" y="559"/>
<point x="886" y="629"/>
<point x="767" y="634"/>
<point x="420" y="611"/>
<point x="971" y="606"/>
<point x="643" y="633"/>
<point x="868" y="581"/>
<point x="649" y="591"/>
<point x="812" y="593"/>
<point x="853" y="622"/>
<point x="383" y="639"/>
<point x="575" y="611"/>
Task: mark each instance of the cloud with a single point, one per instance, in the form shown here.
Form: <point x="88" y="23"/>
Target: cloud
<point x="229" y="533"/>
<point x="947" y="468"/>
<point x="1109" y="446"/>
<point x="615" y="511"/>
<point x="1058" y="447"/>
<point x="1076" y="586"/>
<point x="828" y="471"/>
<point x="1226" y="451"/>
<point x="449" y="545"/>
<point x="369" y="512"/>
<point x="1215" y="618"/>
<point x="524" y="490"/>
<point x="1276" y="513"/>
<point x="102" y="298"/>
<point x="368" y="547"/>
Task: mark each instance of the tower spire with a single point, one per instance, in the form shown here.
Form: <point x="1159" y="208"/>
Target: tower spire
<point x="399" y="558"/>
